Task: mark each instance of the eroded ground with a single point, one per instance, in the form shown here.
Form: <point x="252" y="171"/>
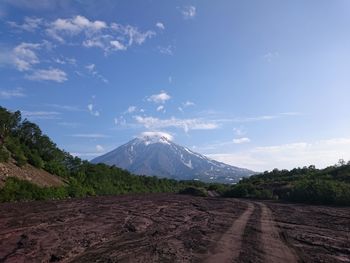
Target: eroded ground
<point x="172" y="228"/>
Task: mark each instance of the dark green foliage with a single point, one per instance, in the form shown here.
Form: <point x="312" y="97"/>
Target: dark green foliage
<point x="307" y="185"/>
<point x="195" y="191"/>
<point x="4" y="155"/>
<point x="17" y="190"/>
<point x="35" y="160"/>
<point x="219" y="188"/>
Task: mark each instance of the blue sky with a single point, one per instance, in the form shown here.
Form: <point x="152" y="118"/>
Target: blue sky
<point x="258" y="84"/>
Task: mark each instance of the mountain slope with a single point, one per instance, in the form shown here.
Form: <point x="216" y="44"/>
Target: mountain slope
<point x="29" y="173"/>
<point x="156" y="155"/>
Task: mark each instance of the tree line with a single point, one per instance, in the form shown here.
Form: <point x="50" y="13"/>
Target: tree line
<point x="306" y="185"/>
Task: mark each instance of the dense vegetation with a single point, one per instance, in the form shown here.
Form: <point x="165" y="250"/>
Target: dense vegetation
<point x="24" y="142"/>
<point x="306" y="185"/>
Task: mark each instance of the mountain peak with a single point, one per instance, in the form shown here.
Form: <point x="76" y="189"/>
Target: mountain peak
<point x="153" y="153"/>
<point x="155" y="137"/>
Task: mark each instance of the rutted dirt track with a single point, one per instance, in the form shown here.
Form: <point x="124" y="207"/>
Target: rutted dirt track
<point x="172" y="228"/>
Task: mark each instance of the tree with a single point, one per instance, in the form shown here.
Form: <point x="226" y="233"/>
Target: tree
<point x="8" y="122"/>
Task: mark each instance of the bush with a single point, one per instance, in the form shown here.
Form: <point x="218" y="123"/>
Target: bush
<point x="35" y="160"/>
<point x="4" y="155"/>
<point x="56" y="168"/>
<point x="20" y="159"/>
<point x="195" y="191"/>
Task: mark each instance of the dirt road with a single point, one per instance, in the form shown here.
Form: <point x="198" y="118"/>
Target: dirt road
<point x="171" y="228"/>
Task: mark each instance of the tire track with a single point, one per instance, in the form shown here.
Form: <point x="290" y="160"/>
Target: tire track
<point x="275" y="249"/>
<point x="229" y="246"/>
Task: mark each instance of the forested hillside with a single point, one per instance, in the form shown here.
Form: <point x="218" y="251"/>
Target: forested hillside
<point x="308" y="185"/>
<point x="22" y="142"/>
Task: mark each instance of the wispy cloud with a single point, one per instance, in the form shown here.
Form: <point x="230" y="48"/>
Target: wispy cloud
<point x="162" y="97"/>
<point x="100" y="148"/>
<point x="168" y="50"/>
<point x="30" y="24"/>
<point x="65" y="60"/>
<point x="241" y="140"/>
<point x="52" y="74"/>
<point x="93" y="112"/>
<point x="69" y="124"/>
<point x="12" y="93"/>
<point x="131" y="109"/>
<point x="24" y="55"/>
<point x="91" y="68"/>
<point x="156" y="134"/>
<point x="161" y="108"/>
<point x="185" y="124"/>
<point x="160" y="25"/>
<point x="189" y="12"/>
<point x="49" y="115"/>
<point x="97" y="34"/>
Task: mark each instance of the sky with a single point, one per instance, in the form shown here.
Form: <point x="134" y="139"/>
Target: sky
<point x="256" y="84"/>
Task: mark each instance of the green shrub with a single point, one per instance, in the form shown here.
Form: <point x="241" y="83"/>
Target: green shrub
<point x="195" y="191"/>
<point x="4" y="155"/>
<point x="35" y="160"/>
<point x="57" y="168"/>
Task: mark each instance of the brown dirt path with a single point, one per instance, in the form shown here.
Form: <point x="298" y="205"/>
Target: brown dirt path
<point x="229" y="246"/>
<point x="275" y="249"/>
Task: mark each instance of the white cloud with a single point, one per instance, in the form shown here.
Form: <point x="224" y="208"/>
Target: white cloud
<point x="241" y="140"/>
<point x="113" y="37"/>
<point x="185" y="124"/>
<point x="91" y="68"/>
<point x="68" y="124"/>
<point x="238" y="131"/>
<point x="99" y="148"/>
<point x="117" y="45"/>
<point x="188" y="104"/>
<point x="90" y="135"/>
<point x="30" y="24"/>
<point x="120" y="121"/>
<point x="48" y="115"/>
<point x="24" y="56"/>
<point x="156" y="134"/>
<point x="160" y="25"/>
<point x="162" y="97"/>
<point x="131" y="109"/>
<point x="168" y="50"/>
<point x="92" y="110"/>
<point x="52" y="74"/>
<point x="160" y="108"/>
<point x="132" y="33"/>
<point x="73" y="26"/>
<point x="189" y="12"/>
<point x="64" y="61"/>
<point x="79" y="30"/>
<point x="321" y="153"/>
<point x="13" y="93"/>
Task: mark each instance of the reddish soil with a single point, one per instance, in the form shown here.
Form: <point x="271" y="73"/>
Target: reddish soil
<point x="172" y="228"/>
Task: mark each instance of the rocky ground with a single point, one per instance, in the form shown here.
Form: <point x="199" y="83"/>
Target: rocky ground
<point x="172" y="228"/>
